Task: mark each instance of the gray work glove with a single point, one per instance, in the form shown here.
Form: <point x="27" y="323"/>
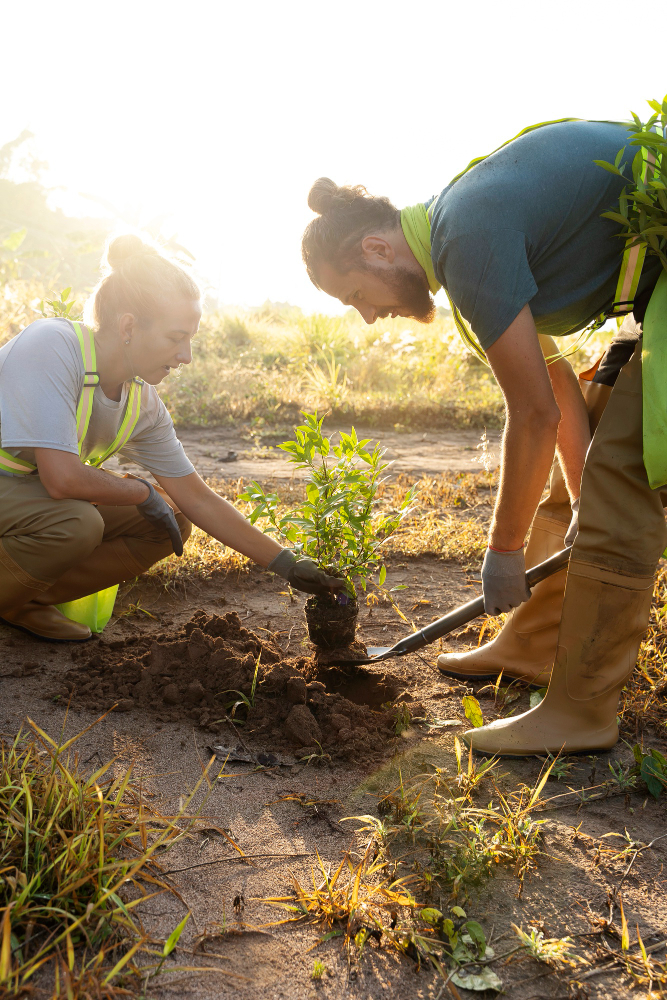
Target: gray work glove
<point x="571" y="533"/>
<point x="504" y="581"/>
<point x="303" y="574"/>
<point x="158" y="512"/>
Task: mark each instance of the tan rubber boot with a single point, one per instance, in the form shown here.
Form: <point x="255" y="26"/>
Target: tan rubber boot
<point x="605" y="615"/>
<point x="18" y="607"/>
<point x="525" y="647"/>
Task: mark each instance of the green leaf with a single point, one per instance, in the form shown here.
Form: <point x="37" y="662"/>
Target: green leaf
<point x="383" y="575"/>
<point x="458" y="911"/>
<point x="537" y="696"/>
<point x="485" y="979"/>
<point x="608" y="166"/>
<point x="651" y="774"/>
<point x="473" y="712"/>
<point x="172" y="940"/>
<point x="431" y="915"/>
<point x="15" y="239"/>
<point x="476" y="932"/>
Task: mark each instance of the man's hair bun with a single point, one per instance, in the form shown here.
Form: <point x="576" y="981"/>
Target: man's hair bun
<point x="325" y="195"/>
<point x="122" y="248"/>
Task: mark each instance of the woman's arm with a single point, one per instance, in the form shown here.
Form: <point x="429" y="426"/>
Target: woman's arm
<point x="65" y="477"/>
<point x="531" y="430"/>
<point x="218" y="518"/>
<point x="574" y="435"/>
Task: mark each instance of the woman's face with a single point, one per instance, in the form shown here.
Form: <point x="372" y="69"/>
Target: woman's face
<point x="166" y="342"/>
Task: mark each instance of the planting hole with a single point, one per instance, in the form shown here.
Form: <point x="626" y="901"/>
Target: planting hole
<point x="361" y="686"/>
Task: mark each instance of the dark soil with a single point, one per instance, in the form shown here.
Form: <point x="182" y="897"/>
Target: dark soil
<point x="198" y="671"/>
<point x="331" y="624"/>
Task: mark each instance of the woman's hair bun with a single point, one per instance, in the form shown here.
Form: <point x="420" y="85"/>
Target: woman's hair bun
<point x="325" y="195"/>
<point x="121" y="248"/>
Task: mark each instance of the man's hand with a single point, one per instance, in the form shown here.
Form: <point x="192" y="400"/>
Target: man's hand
<point x="303" y="574"/>
<point x="158" y="512"/>
<point x="504" y="580"/>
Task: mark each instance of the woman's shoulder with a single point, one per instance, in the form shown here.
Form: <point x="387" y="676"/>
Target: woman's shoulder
<point x="42" y="340"/>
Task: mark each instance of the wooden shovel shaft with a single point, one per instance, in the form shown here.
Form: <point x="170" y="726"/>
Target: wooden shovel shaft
<point x="467" y="612"/>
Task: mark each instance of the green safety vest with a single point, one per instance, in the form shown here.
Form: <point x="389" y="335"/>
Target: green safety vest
<point x="17" y="466"/>
<point x="95" y="609"/>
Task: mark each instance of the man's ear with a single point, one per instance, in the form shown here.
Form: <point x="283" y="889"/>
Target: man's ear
<point x="377" y="250"/>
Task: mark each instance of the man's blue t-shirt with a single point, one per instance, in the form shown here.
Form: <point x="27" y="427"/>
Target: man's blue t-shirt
<point x="524" y="226"/>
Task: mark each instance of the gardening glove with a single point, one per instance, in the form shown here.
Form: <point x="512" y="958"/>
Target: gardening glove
<point x="158" y="512"/>
<point x="504" y="580"/>
<point x="571" y="533"/>
<point x="303" y="574"/>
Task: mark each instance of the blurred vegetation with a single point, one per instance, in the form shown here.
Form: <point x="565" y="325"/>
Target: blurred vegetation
<point x="259" y="366"/>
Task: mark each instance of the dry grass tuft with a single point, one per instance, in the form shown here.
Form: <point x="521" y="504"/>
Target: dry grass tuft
<point x="73" y="849"/>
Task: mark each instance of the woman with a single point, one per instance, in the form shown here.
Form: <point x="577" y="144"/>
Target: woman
<point x="72" y="395"/>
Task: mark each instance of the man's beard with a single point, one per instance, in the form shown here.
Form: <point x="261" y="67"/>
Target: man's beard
<point x="412" y="294"/>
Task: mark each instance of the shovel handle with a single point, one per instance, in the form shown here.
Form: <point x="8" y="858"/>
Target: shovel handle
<point x="467" y="612"/>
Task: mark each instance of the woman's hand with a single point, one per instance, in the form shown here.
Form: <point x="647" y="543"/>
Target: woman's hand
<point x="303" y="574"/>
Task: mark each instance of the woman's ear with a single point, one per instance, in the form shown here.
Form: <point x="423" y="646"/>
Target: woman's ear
<point x="126" y="325"/>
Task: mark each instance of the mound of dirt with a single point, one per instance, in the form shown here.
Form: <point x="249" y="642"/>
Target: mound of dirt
<point x="197" y="672"/>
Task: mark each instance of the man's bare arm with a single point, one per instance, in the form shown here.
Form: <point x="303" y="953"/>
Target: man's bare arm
<point x="574" y="434"/>
<point x="531" y="429"/>
<point x="66" y="478"/>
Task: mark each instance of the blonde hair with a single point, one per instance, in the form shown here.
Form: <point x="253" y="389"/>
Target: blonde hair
<point x="137" y="276"/>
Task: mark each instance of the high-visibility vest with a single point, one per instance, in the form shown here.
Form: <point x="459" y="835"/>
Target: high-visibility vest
<point x="17" y="466"/>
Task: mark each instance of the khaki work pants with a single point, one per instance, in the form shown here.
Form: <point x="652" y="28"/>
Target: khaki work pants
<point x="41" y="539"/>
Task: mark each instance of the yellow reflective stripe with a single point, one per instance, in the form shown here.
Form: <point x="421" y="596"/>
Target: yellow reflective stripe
<point x="85" y="405"/>
<point x="129" y="422"/>
<point x="8" y="463"/>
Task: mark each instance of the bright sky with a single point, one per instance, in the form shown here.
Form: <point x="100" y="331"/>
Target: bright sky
<point x="217" y="116"/>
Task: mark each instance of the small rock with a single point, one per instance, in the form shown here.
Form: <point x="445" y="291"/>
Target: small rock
<point x="171" y="695"/>
<point x="125" y="705"/>
<point x="301" y="726"/>
<point x="194" y="692"/>
<point x="295" y="690"/>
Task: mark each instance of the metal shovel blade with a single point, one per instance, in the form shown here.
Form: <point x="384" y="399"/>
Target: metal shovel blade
<point x="453" y="620"/>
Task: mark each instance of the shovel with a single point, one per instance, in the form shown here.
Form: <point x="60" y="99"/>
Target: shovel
<point x="459" y="616"/>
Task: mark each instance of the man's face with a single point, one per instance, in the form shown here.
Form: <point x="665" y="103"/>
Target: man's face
<point x="381" y="290"/>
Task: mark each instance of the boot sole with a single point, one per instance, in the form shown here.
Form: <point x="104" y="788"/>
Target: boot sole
<point x="492" y="677"/>
<point x="42" y="638"/>
<point x="543" y="752"/>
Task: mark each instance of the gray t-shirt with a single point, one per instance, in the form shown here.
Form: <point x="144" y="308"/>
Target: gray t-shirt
<point x="41" y="378"/>
<point x="524" y="226"/>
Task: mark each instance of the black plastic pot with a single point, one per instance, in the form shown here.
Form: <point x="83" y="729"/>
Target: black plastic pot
<point x="332" y="623"/>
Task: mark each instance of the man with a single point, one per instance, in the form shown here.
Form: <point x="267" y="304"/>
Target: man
<point x="520" y="246"/>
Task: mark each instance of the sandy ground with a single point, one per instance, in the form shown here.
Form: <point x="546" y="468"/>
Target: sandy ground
<point x="220" y="453"/>
<point x="256" y="960"/>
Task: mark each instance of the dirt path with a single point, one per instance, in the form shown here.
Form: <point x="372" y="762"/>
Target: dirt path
<point x="257" y="456"/>
<point x="262" y="811"/>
